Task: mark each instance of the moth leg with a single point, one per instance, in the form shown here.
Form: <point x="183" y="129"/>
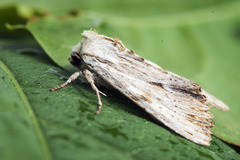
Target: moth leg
<point x="73" y="77"/>
<point x="90" y="79"/>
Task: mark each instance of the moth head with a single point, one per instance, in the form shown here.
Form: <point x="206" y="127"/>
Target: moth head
<point x="89" y="34"/>
<point x="75" y="58"/>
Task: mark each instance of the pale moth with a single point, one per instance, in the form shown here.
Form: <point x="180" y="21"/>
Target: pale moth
<point x="173" y="100"/>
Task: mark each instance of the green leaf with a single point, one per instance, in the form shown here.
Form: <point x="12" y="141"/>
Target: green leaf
<point x="73" y="131"/>
<point x="196" y="51"/>
<point x="198" y="40"/>
<point x="125" y="8"/>
<point x="16" y="15"/>
<point x="19" y="130"/>
<point x="60" y="49"/>
<point x="8" y="14"/>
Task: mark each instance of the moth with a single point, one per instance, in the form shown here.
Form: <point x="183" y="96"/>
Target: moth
<point x="177" y="102"/>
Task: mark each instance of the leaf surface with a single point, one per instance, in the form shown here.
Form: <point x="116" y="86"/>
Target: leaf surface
<point x="19" y="129"/>
<point x="73" y="131"/>
<point x="199" y="41"/>
<point x="186" y="50"/>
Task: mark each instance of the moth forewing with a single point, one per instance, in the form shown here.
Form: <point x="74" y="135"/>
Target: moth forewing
<point x="173" y="100"/>
<point x="213" y="101"/>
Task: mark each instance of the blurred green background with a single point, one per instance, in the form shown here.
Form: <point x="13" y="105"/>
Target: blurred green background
<point x="199" y="40"/>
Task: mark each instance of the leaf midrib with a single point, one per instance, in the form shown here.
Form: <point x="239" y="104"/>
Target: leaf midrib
<point x="33" y="118"/>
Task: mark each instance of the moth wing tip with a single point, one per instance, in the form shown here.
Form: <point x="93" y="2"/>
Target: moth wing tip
<point x="226" y="109"/>
<point x="222" y="106"/>
<point x="205" y="142"/>
<point x="213" y="101"/>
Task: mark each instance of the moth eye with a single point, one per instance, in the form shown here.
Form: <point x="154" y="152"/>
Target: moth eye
<point x="74" y="59"/>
